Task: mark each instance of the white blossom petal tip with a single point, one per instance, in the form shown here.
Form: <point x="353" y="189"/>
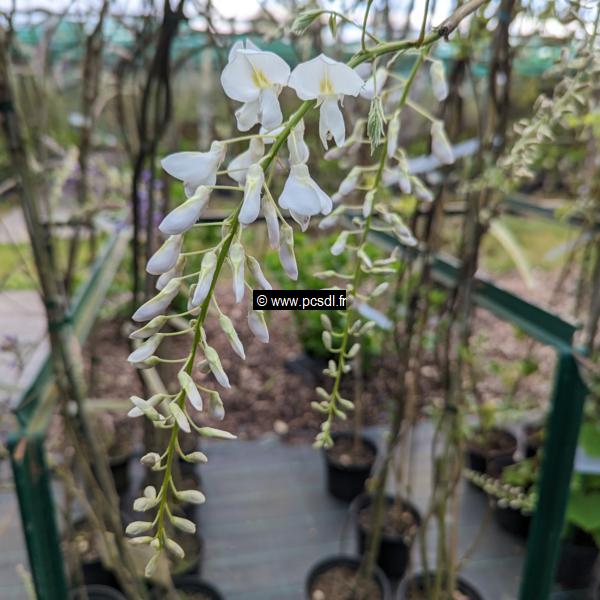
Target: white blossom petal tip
<point x="302" y="195"/>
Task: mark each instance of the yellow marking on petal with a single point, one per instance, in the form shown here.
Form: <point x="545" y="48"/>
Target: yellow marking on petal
<point x="325" y="86"/>
<point x="259" y="78"/>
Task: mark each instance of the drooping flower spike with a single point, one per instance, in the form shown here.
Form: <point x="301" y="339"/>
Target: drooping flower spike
<point x="255" y="77"/>
<point x="327" y="81"/>
<point x="195" y="168"/>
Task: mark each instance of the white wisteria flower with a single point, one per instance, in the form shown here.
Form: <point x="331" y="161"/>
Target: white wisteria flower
<point x="255" y="77"/>
<point x="258" y="326"/>
<point x="302" y="196"/>
<point x="237" y="258"/>
<point x="166" y="257"/>
<point x="297" y="147"/>
<point x="190" y="389"/>
<point x="182" y="218"/>
<point x="176" y="271"/>
<point x="207" y="270"/>
<point x="255" y="179"/>
<point x="158" y="305"/>
<point x="238" y="167"/>
<point x="326" y="81"/>
<point x="438" y="80"/>
<point x="146" y="350"/>
<point x="440" y="146"/>
<point x="195" y="168"/>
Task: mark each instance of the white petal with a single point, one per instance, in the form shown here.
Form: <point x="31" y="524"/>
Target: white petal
<point x="438" y="80"/>
<point x="207" y="269"/>
<point x="165" y="258"/>
<point x="251" y="204"/>
<point x="270" y="111"/>
<point x="306" y="78"/>
<point x="176" y="271"/>
<point x="344" y="80"/>
<point x="145" y="350"/>
<point x="237" y="46"/>
<point x="374" y="85"/>
<point x="331" y="122"/>
<point x="247" y="115"/>
<point x="286" y="253"/>
<point x="190" y="389"/>
<point x="440" y="146"/>
<point x="158" y="305"/>
<point x="298" y="194"/>
<point x="257" y="273"/>
<point x="302" y="220"/>
<point x="185" y="215"/>
<point x="237" y="79"/>
<point x="237" y="256"/>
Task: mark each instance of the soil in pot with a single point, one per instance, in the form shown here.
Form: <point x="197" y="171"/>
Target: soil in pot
<point x="415" y="589"/>
<point x="400" y="524"/>
<point x="190" y="588"/>
<point x="578" y="555"/>
<point x="496" y="444"/>
<point x="336" y="579"/>
<point x="348" y="465"/>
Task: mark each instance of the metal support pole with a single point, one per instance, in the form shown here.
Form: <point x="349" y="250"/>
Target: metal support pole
<point x="564" y="422"/>
<point x="32" y="482"/>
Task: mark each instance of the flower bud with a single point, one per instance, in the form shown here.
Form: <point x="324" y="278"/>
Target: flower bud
<point x="196" y="457"/>
<point x="151" y="566"/>
<point x="392" y="135"/>
<point x="438" y="80"/>
<point x="145" y="350"/>
<point x="237" y="258"/>
<point x="158" y="305"/>
<point x="192" y="496"/>
<point x="145" y="408"/>
<point x="176" y="271"/>
<point x="368" y="203"/>
<point x="340" y="244"/>
<point x="190" y="389"/>
<point x="166" y="256"/>
<point x="185" y="215"/>
<point x="151" y="459"/>
<point x="258" y="326"/>
<point x="286" y="252"/>
<point x="350" y="182"/>
<point x="257" y="273"/>
<point x="232" y="336"/>
<point x="183" y="524"/>
<point x="297" y="147"/>
<point x="207" y="270"/>
<point x="255" y="178"/>
<point x="211" y="432"/>
<point x="214" y="362"/>
<point x="270" y="213"/>
<point x="148" y="330"/>
<point x="215" y="404"/>
<point x="174" y="548"/>
<point x="440" y="146"/>
<point x="137" y="527"/>
<point x="179" y="417"/>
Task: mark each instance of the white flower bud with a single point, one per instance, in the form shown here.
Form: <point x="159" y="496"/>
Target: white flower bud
<point x="286" y="252"/>
<point x="137" y="527"/>
<point x="185" y="215"/>
<point x="138" y="541"/>
<point x="151" y="459"/>
<point x="144" y="407"/>
<point x="380" y="289"/>
<point x="257" y="273"/>
<point x="144" y="504"/>
<point x="350" y="182"/>
<point x="179" y="417"/>
<point x="145" y="350"/>
<point x="255" y="178"/>
<point x="392" y="134"/>
<point x="190" y="389"/>
<point x="211" y="432"/>
<point x="258" y="326"/>
<point x="148" y="330"/>
<point x="151" y="566"/>
<point x="368" y="203"/>
<point x="297" y="147"/>
<point x="166" y="256"/>
<point x="196" y="457"/>
<point x="207" y="270"/>
<point x="215" y="404"/>
<point x="340" y="244"/>
<point x="174" y="548"/>
<point x="192" y="496"/>
<point x="440" y="146"/>
<point x="152" y="402"/>
<point x="270" y="213"/>
<point x="232" y="336"/>
<point x="438" y="80"/>
<point x="183" y="524"/>
<point x="158" y="305"/>
<point x="237" y="258"/>
<point x="353" y="351"/>
<point x="214" y="362"/>
<point x="176" y="271"/>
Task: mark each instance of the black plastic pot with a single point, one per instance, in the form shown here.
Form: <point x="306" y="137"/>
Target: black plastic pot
<point x="533" y="441"/>
<point x="394" y="552"/>
<point x="352" y="562"/>
<point x="416" y="583"/>
<point x="478" y="459"/>
<point x="512" y="520"/>
<point x="578" y="556"/>
<point x="96" y="592"/>
<point x="96" y="574"/>
<point x="345" y="482"/>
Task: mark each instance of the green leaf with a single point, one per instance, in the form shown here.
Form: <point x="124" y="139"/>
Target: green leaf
<point x="583" y="510"/>
<point x="505" y="238"/>
<point x="375" y="123"/>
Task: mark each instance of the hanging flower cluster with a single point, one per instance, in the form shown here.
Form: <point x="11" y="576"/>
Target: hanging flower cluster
<point x="255" y="78"/>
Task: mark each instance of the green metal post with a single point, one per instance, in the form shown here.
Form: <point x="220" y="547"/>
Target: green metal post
<point x="32" y="482"/>
<point x="564" y="422"/>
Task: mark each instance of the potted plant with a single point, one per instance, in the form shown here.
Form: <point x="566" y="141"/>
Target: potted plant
<point x="417" y="587"/>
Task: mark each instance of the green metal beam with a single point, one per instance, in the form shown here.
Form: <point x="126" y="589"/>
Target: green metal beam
<point x="564" y="422"/>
